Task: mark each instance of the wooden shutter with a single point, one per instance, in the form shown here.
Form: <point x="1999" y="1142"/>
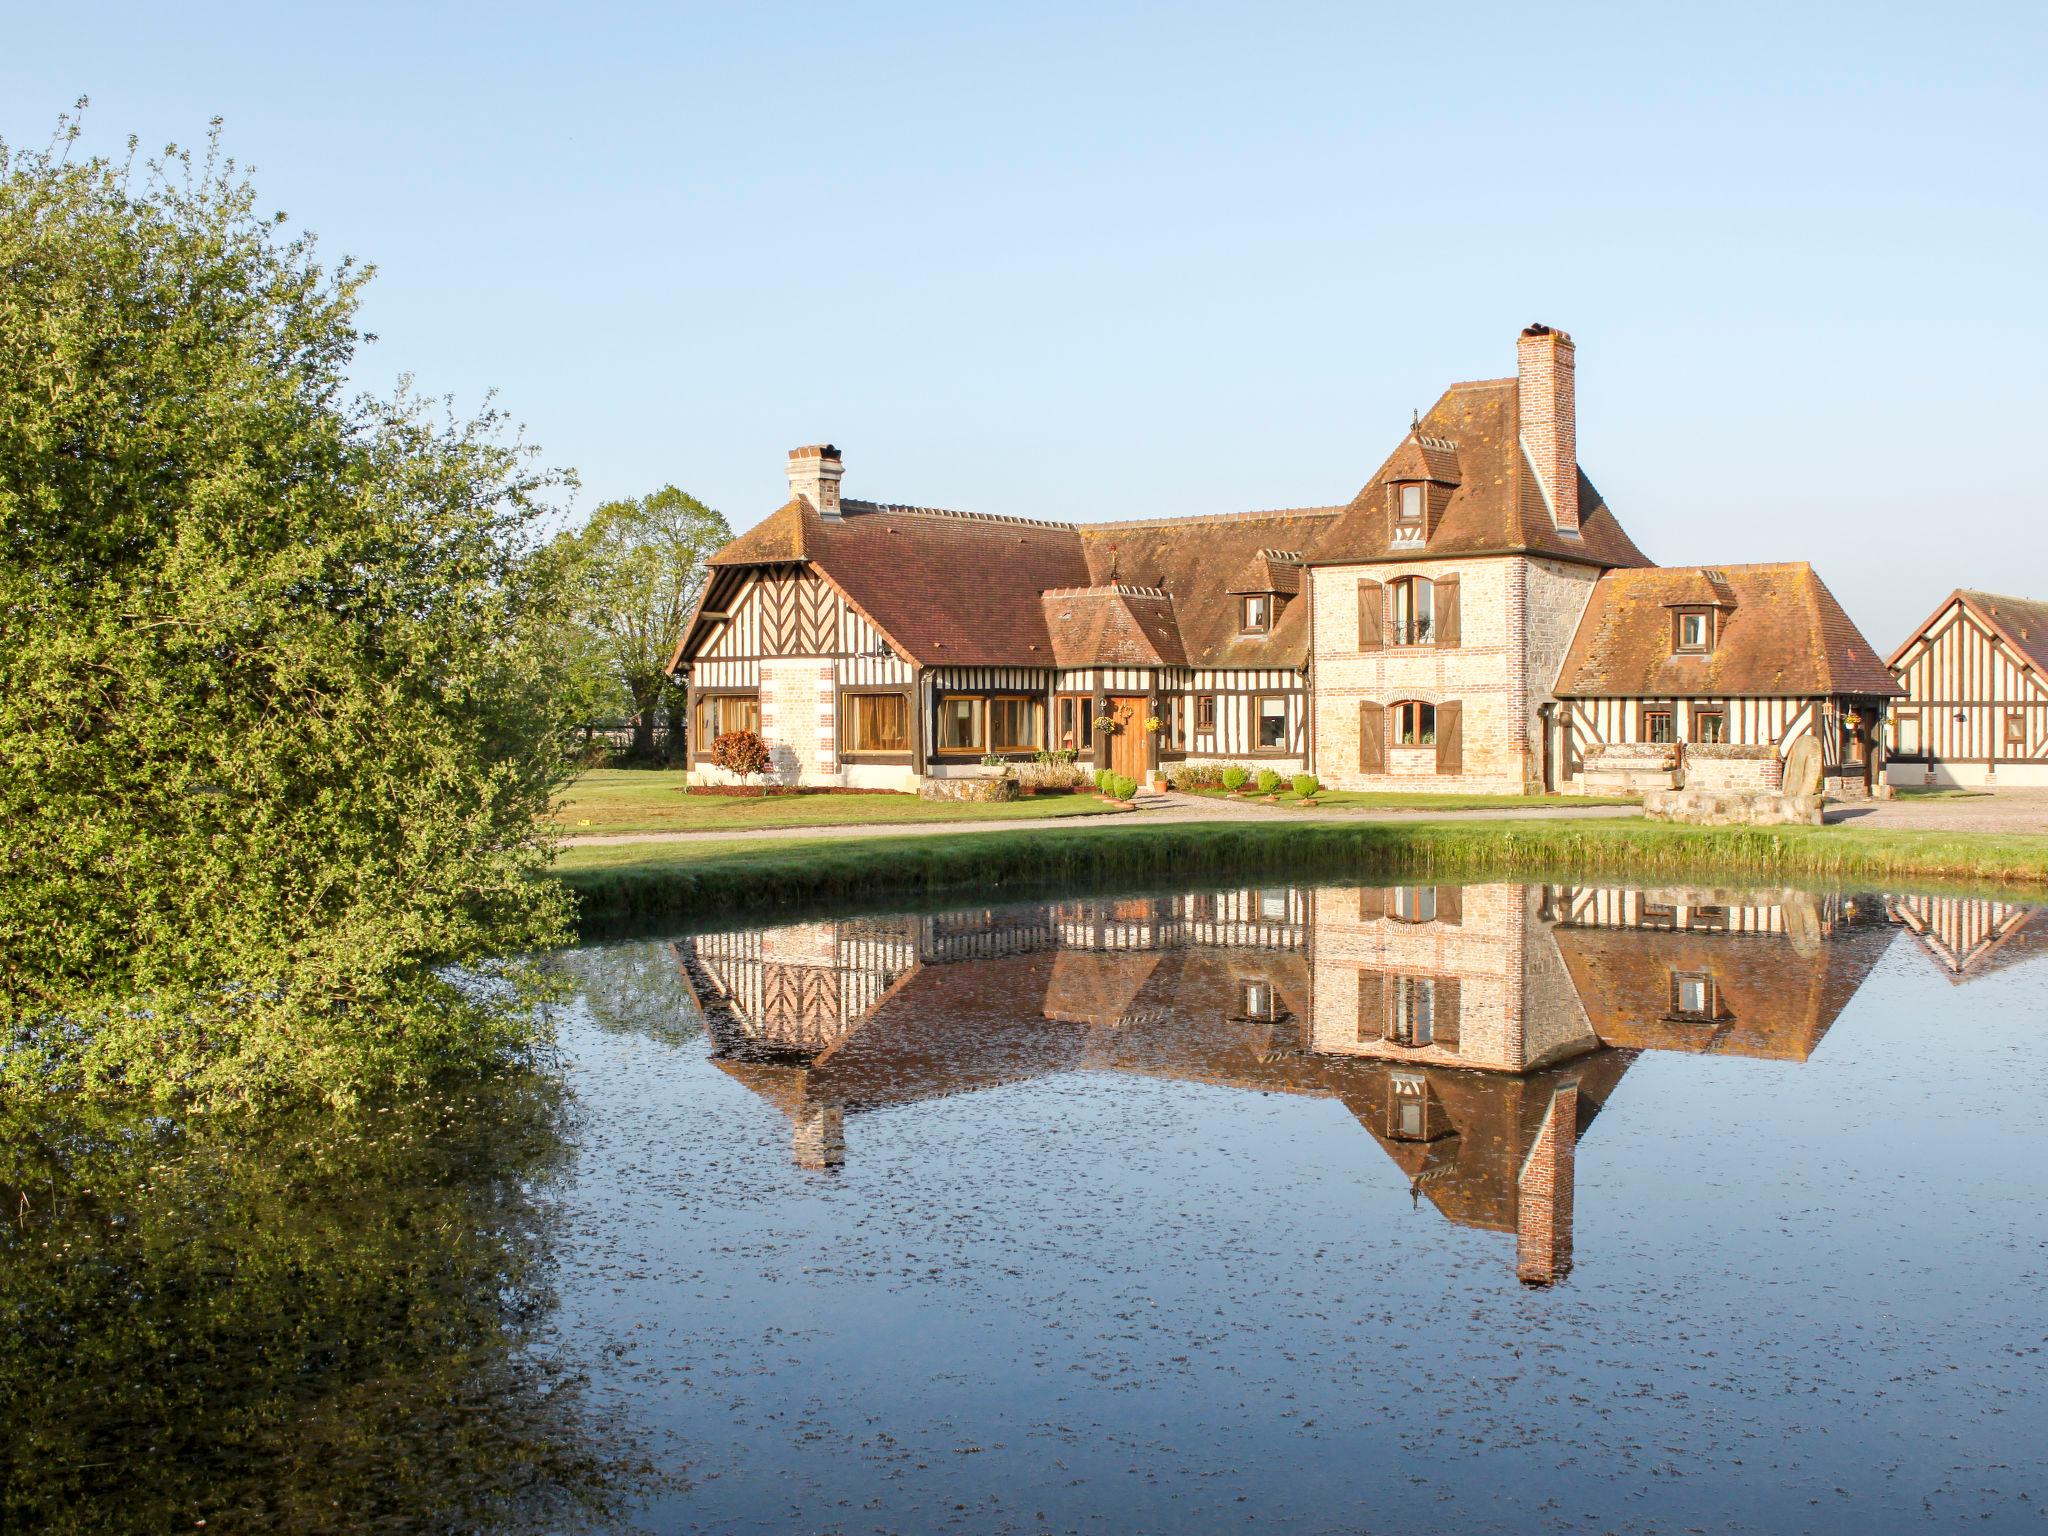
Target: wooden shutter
<point x="1372" y="903"/>
<point x="1372" y="616"/>
<point x="1447" y="1012"/>
<point x="1450" y="737"/>
<point x="1372" y="737"/>
<point x="1450" y="905"/>
<point x="1446" y="610"/>
<point x="1372" y="1006"/>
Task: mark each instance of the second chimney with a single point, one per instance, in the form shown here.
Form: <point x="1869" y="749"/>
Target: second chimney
<point x="814" y="474"/>
<point x="1550" y="427"/>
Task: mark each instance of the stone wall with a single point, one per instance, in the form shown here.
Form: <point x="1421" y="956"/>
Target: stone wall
<point x="1626" y="768"/>
<point x="1714" y="766"/>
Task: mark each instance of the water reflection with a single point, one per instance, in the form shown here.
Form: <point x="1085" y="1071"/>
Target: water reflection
<point x="325" y="1324"/>
<point x="1473" y="1032"/>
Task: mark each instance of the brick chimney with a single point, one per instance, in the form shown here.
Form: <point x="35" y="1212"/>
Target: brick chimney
<point x="1550" y="426"/>
<point x="1543" y="1194"/>
<point x="814" y="472"/>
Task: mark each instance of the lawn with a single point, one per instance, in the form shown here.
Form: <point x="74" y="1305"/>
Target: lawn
<point x="1376" y="800"/>
<point x="625" y="800"/>
<point x="633" y="883"/>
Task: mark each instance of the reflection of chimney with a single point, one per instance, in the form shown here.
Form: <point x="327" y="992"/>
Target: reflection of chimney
<point x="1550" y="421"/>
<point x="820" y="1138"/>
<point x="814" y="473"/>
<point x="1543" y="1194"/>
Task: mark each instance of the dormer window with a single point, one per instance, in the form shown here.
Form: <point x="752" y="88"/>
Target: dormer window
<point x="1411" y="505"/>
<point x="1695" y="631"/>
<point x="1256" y="614"/>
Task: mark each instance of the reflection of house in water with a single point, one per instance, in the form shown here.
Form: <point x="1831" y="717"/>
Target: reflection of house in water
<point x="1472" y="1031"/>
<point x="1970" y="937"/>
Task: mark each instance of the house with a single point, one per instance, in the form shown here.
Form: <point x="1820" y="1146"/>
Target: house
<point x="1970" y="937"/>
<point x="1975" y="705"/>
<point x="1473" y="1032"/>
<point x="1475" y="618"/>
<point x="1724" y="657"/>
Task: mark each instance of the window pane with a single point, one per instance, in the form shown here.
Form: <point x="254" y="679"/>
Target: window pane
<point x="1411" y="503"/>
<point x="1658" y="726"/>
<point x="881" y="723"/>
<point x="960" y="725"/>
<point x="1255" y="613"/>
<point x="1272" y="722"/>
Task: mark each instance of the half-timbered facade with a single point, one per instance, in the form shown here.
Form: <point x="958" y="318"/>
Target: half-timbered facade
<point x="1474" y="619"/>
<point x="1975" y="710"/>
<point x="1693" y="659"/>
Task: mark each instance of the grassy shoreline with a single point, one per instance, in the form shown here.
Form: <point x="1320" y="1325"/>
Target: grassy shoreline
<point x="628" y="883"/>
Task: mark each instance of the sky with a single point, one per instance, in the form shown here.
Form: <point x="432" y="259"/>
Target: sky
<point x="1103" y="261"/>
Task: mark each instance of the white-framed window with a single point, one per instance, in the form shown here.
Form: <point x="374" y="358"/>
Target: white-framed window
<point x="1695" y="631"/>
<point x="1256" y="614"/>
<point x="1271" y="721"/>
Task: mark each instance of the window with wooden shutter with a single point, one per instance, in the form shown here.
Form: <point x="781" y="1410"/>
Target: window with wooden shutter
<point x="1372" y="904"/>
<point x="1450" y="904"/>
<point x="1372" y="737"/>
<point x="1447" y="610"/>
<point x="1372" y="616"/>
<point x="1447" y="1013"/>
<point x="1450" y="737"/>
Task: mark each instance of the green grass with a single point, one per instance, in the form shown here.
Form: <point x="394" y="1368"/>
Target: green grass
<point x="625" y="800"/>
<point x="629" y="883"/>
<point x="1375" y="800"/>
<point x="1924" y="793"/>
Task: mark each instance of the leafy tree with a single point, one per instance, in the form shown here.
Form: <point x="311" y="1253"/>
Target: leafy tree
<point x="642" y="564"/>
<point x="742" y="753"/>
<point x="280" y="708"/>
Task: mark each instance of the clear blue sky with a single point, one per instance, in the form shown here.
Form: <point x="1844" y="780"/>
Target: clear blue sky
<point x="1098" y="261"/>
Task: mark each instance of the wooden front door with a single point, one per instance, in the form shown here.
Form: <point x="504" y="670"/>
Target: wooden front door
<point x="1127" y="746"/>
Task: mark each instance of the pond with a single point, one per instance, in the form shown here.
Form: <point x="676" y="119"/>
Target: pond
<point x="1495" y="1208"/>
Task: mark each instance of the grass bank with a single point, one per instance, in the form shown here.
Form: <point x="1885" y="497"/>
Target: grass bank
<point x="629" y="883"/>
<point x="611" y="801"/>
<point x="1379" y="800"/>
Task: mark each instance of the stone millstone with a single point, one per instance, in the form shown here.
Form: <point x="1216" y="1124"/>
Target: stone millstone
<point x="1803" y="768"/>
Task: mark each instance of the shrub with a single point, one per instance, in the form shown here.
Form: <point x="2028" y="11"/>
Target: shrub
<point x="743" y="753"/>
<point x="1233" y="778"/>
<point x="1306" y="784"/>
<point x="1102" y="778"/>
<point x="1122" y="786"/>
<point x="1189" y="776"/>
<point x="1269" y="781"/>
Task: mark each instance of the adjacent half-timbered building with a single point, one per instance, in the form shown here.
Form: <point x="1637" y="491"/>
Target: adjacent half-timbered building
<point x="875" y="646"/>
<point x="1975" y="710"/>
<point x="1739" y="655"/>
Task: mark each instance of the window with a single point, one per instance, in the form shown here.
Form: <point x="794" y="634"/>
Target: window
<point x="1408" y="1107"/>
<point x="1205" y="714"/>
<point x="1412" y="1019"/>
<point x="1408" y="510"/>
<point x="960" y="721"/>
<point x="1414" y="724"/>
<point x="2015" y="728"/>
<point x="878" y="722"/>
<point x="1272" y="723"/>
<point x="1707" y="919"/>
<point x="1415" y="903"/>
<point x="1256" y="1000"/>
<point x="1709" y="725"/>
<point x="1013" y="724"/>
<point x="721" y="713"/>
<point x="1256" y="615"/>
<point x="1659" y="915"/>
<point x="1694" y="996"/>
<point x="1694" y="631"/>
<point x="1412" y="605"/>
<point x="1908" y="730"/>
<point x="1272" y="906"/>
<point x="1657" y="726"/>
<point x="1076" y="718"/>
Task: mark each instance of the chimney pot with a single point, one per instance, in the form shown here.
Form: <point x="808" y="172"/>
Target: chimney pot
<point x="1547" y="400"/>
<point x="814" y="473"/>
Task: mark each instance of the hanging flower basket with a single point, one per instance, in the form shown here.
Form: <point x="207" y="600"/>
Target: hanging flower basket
<point x="1154" y="724"/>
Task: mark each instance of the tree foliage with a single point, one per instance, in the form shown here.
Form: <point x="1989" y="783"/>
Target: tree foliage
<point x="743" y="753"/>
<point x="641" y="565"/>
<point x="279" y="697"/>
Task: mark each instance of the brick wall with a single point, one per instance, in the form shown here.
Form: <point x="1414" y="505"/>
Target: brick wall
<point x="799" y="718"/>
<point x="1543" y="1205"/>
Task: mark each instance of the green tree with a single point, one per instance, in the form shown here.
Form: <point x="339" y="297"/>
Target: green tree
<point x="643" y="563"/>
<point x="279" y="702"/>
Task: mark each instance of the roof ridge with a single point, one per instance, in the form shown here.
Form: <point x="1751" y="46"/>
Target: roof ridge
<point x="2003" y="597"/>
<point x="1212" y="517"/>
<point x="863" y="507"/>
<point x="1109" y="589"/>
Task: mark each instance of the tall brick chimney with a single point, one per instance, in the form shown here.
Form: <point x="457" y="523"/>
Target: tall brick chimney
<point x="814" y="473"/>
<point x="1543" y="1194"/>
<point x="1550" y="425"/>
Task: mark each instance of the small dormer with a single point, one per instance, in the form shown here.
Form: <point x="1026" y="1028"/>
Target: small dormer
<point x="1263" y="587"/>
<point x="1699" y="613"/>
<point x="1419" y="479"/>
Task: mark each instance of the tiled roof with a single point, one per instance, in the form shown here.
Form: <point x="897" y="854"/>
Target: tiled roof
<point x="1113" y="626"/>
<point x="2021" y="621"/>
<point x="1497" y="507"/>
<point x="1784" y="636"/>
